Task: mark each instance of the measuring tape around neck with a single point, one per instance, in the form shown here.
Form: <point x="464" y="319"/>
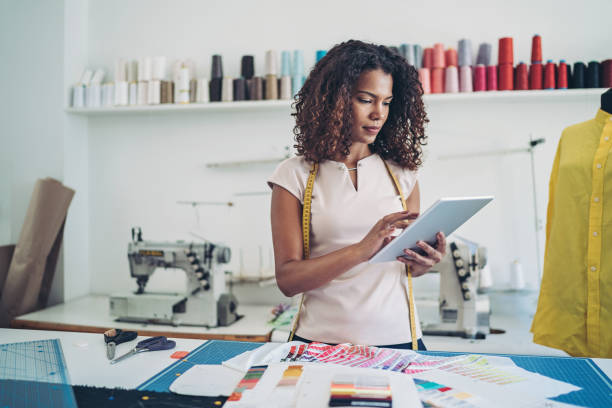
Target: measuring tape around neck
<point x="305" y="234"/>
<point x="411" y="312"/>
<point x="306" y="239"/>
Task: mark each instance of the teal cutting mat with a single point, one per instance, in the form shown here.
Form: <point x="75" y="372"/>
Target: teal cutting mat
<point x="583" y="372"/>
<point x="34" y="374"/>
<point x="211" y="352"/>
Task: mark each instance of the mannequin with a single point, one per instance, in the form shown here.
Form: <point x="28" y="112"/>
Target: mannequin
<point x="606" y="101"/>
<point x="574" y="307"/>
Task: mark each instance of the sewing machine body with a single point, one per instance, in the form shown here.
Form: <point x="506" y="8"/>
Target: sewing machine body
<point x="463" y="311"/>
<point x="205" y="301"/>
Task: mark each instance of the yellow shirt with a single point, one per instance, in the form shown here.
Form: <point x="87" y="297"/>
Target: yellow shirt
<point x="575" y="305"/>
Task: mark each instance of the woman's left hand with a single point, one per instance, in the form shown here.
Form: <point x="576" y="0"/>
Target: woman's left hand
<point x="420" y="264"/>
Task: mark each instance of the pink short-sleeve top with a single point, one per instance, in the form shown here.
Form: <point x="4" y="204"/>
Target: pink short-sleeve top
<point x="367" y="304"/>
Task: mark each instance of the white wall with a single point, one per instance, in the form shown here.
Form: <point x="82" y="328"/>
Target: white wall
<point x="141" y="165"/>
<point x="130" y="170"/>
<point x="31" y="136"/>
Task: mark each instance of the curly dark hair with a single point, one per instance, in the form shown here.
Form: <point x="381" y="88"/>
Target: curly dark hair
<point x="323" y="115"/>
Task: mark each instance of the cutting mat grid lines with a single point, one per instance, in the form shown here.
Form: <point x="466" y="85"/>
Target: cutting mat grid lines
<point x="579" y="371"/>
<point x="34" y="374"/>
<point x="597" y="387"/>
<point x="40" y="360"/>
<point x="211" y="352"/>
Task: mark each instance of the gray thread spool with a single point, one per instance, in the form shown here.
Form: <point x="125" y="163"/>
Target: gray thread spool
<point x="465" y="52"/>
<point x="407" y="51"/>
<point x="484" y="55"/>
<point x="418" y="56"/>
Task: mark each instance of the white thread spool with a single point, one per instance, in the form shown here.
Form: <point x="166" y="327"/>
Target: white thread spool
<point x="145" y="73"/>
<point x="143" y="92"/>
<point x="133" y="93"/>
<point x="285" y="87"/>
<point x="121" y="93"/>
<point x="93" y="95"/>
<point x="202" y="95"/>
<point x="120" y="70"/>
<point x="132" y="71"/>
<point x="159" y="68"/>
<point x="108" y="91"/>
<point x="271" y="63"/>
<point x="154" y="92"/>
<point x="78" y="96"/>
<point x="182" y="85"/>
<point x="227" y="89"/>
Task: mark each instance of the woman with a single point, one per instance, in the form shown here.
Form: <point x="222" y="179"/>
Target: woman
<point x="360" y="119"/>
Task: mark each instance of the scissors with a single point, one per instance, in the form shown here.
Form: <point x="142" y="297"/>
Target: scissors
<point x="150" y="344"/>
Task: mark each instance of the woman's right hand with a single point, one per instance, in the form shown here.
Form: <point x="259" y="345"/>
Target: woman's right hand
<point x="381" y="233"/>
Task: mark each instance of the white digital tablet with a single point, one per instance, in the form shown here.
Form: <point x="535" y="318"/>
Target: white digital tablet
<point x="445" y="215"/>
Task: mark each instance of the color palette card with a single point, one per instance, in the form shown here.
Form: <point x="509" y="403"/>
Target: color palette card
<point x="433" y="394"/>
<point x="327" y="385"/>
<point x="248" y="382"/>
<point x="361" y="390"/>
<point x="273" y="385"/>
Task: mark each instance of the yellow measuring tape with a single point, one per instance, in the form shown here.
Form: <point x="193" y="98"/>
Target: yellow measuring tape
<point x="305" y="234"/>
<point x="306" y="239"/>
<point x="411" y="316"/>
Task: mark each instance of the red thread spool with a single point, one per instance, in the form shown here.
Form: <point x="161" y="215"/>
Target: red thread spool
<point x="438" y="55"/>
<point x="506" y="53"/>
<point x="536" y="49"/>
<point x="549" y="75"/>
<point x="437" y="80"/>
<point x="535" y="76"/>
<point x="506" y="77"/>
<point x="606" y="73"/>
<point x="492" y="78"/>
<point x="480" y="78"/>
<point x="562" y="75"/>
<point x="428" y="58"/>
<point x="521" y="81"/>
<point x="451" y="57"/>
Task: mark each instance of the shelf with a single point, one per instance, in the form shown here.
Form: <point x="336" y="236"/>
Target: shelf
<point x="510" y="96"/>
<point x="540" y="95"/>
<point x="170" y="107"/>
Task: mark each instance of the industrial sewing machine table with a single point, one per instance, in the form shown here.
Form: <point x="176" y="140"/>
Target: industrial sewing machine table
<point x="90" y="314"/>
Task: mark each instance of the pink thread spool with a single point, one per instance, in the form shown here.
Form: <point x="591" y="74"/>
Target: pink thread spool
<point x="451" y="80"/>
<point x="425" y="80"/>
<point x="480" y="78"/>
<point x="465" y="79"/>
<point x="438" y="56"/>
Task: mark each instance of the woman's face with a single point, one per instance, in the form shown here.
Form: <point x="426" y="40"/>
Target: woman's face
<point x="370" y="102"/>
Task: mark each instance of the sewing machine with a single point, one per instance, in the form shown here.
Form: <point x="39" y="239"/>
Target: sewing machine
<point x="463" y="312"/>
<point x="204" y="302"/>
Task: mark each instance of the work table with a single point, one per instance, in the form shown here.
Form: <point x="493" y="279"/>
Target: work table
<point x="91" y="314"/>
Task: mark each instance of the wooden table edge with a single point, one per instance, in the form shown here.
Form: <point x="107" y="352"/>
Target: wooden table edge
<point x="38" y="325"/>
